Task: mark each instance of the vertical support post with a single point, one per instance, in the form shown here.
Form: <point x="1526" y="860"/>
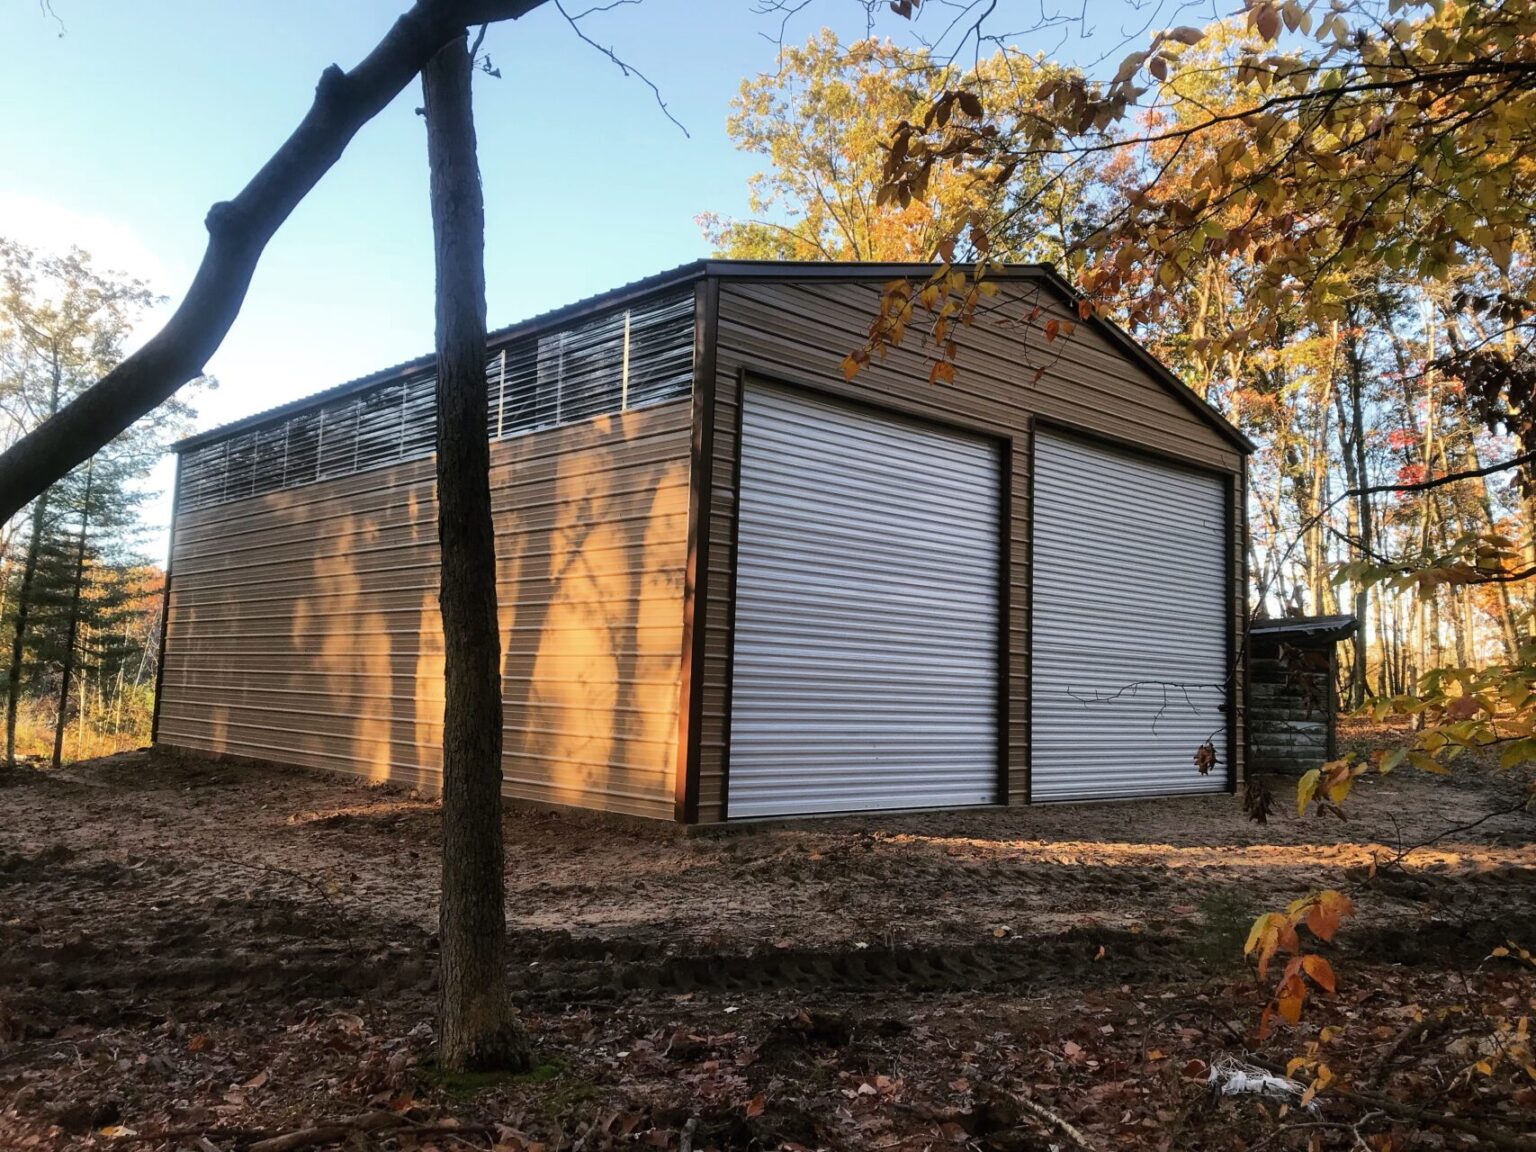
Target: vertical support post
<point x="624" y="371"/>
<point x="165" y="605"/>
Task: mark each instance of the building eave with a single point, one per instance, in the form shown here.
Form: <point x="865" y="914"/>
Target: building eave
<point x="738" y="270"/>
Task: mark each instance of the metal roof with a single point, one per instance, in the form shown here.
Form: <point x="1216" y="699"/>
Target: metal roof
<point x="1306" y="629"/>
<point x="696" y="270"/>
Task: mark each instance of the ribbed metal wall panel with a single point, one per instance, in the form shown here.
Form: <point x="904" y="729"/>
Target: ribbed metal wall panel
<point x="304" y="625"/>
<point x="1131" y="622"/>
<point x="866" y="640"/>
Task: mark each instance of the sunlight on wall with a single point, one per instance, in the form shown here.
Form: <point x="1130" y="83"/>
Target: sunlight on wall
<point x="591" y="568"/>
<point x="341" y="652"/>
<point x="322" y="644"/>
<point x="658" y="626"/>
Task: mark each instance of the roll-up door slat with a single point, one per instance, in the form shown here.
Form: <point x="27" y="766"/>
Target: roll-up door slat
<point x="1129" y="624"/>
<point x="866" y="640"/>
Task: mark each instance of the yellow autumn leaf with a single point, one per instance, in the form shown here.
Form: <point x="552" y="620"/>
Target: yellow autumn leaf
<point x="1306" y="788"/>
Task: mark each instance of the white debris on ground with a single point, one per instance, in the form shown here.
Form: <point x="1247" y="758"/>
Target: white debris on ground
<point x="1229" y="1077"/>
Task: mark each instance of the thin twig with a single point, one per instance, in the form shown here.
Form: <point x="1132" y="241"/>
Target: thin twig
<point x="1041" y="1112"/>
<point x="1518" y="806"/>
<point x="336" y="1131"/>
<point x="623" y="66"/>
<point x="1498" y="1137"/>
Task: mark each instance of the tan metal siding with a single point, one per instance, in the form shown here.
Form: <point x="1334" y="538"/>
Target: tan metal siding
<point x="592" y="533"/>
<point x="801" y="331"/>
<point x="303" y="625"/>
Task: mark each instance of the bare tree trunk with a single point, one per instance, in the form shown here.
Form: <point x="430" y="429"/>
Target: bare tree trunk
<point x="1507" y="637"/>
<point x="1317" y="482"/>
<point x="1352" y="441"/>
<point x="238" y="231"/>
<point x="19" y="626"/>
<point x="72" y="632"/>
<point x="477" y="1028"/>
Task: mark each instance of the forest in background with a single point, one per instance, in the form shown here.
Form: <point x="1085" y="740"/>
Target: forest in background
<point x="1377" y="392"/>
<point x="1359" y="397"/>
<point x="80" y="602"/>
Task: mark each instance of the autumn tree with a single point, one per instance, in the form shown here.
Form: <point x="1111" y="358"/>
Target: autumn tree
<point x="820" y="121"/>
<point x="63" y="325"/>
<point x="1393" y="136"/>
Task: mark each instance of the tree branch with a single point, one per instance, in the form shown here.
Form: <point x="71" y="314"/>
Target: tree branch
<point x="1439" y="481"/>
<point x="624" y="67"/>
<point x="238" y="231"/>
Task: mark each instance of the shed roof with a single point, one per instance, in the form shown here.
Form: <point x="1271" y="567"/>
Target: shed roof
<point x="1306" y="630"/>
<point x="689" y="273"/>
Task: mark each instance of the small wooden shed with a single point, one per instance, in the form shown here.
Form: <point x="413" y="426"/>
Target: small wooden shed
<point x="734" y="583"/>
<point x="1293" y="703"/>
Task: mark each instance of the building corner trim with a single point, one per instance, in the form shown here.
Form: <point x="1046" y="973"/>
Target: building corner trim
<point x="690" y="712"/>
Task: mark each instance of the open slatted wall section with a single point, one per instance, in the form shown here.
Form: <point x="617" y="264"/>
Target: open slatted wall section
<point x="617" y="362"/>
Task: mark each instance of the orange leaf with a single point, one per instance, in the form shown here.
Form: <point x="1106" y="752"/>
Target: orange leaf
<point x="1322" y="922"/>
<point x="1324" y="916"/>
<point x="1462" y="708"/>
<point x="1287" y="940"/>
<point x="756" y="1105"/>
<point x="1320" y="971"/>
<point x="1052" y="326"/>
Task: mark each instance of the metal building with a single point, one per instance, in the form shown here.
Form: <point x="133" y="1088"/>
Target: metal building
<point x="732" y="583"/>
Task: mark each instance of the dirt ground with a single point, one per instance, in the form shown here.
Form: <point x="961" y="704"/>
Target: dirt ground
<point x="230" y="953"/>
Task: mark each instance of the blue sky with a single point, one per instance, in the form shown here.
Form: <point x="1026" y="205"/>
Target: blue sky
<point x="141" y="115"/>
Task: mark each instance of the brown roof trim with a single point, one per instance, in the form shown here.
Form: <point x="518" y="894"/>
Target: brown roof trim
<point x="739" y="270"/>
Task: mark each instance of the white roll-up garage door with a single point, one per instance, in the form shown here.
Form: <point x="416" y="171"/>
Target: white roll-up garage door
<point x="865" y="673"/>
<point x="1129" y="624"/>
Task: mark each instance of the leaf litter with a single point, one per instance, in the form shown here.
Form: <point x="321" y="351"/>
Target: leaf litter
<point x="230" y="955"/>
